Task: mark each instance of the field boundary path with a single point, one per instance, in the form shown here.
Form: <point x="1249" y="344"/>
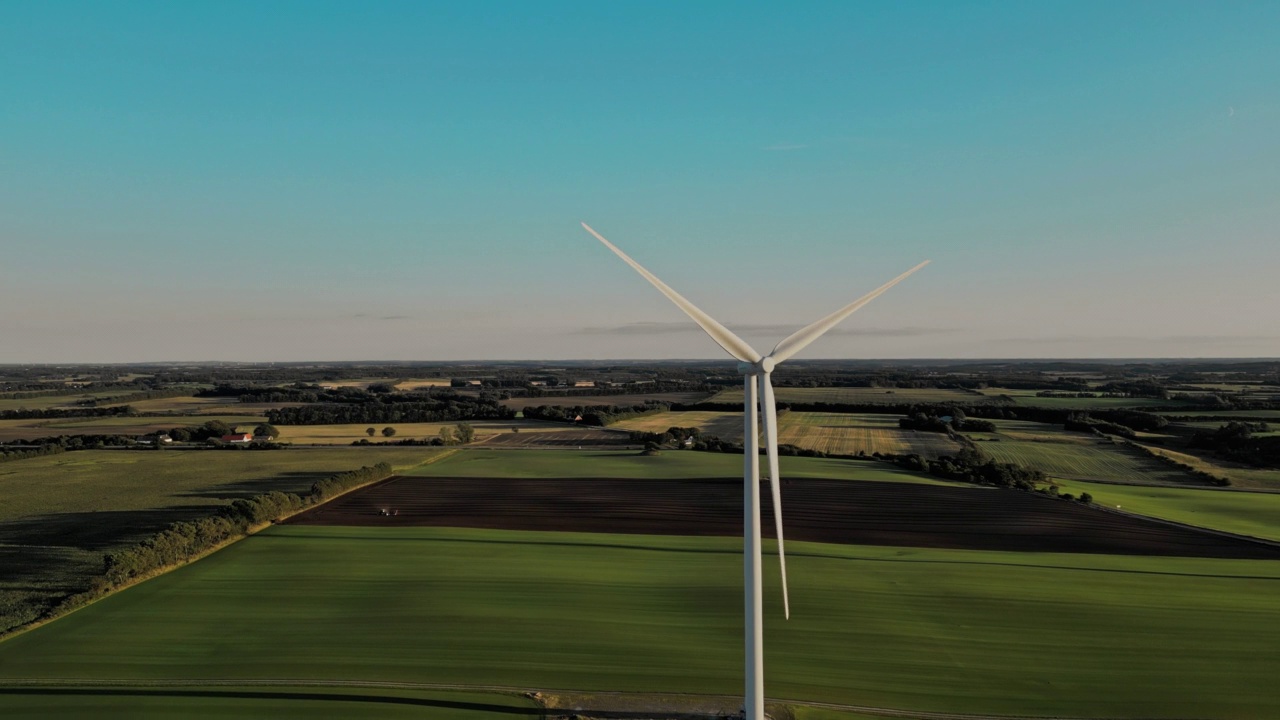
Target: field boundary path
<point x="626" y="705"/>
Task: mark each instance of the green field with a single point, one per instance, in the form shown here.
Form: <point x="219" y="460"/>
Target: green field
<point x="202" y="702"/>
<point x="1072" y="455"/>
<point x="860" y="395"/>
<point x="1241" y="476"/>
<point x="60" y="513"/>
<point x="1028" y="398"/>
<point x="44" y="402"/>
<point x="1230" y="414"/>
<point x="1246" y="513"/>
<point x="976" y="632"/>
<point x="116" y="425"/>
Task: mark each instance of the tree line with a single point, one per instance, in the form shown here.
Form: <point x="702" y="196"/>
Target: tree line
<point x="1236" y="441"/>
<point x="185" y="540"/>
<point x="596" y="415"/>
<point x="449" y="409"/>
<point x="56" y="413"/>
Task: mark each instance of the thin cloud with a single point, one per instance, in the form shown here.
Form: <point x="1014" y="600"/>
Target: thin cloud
<point x="394" y="317"/>
<point x="1183" y="339"/>
<point x="680" y="328"/>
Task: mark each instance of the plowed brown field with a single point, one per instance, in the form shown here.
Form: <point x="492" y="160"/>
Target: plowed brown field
<point x="570" y="438"/>
<point x="833" y="511"/>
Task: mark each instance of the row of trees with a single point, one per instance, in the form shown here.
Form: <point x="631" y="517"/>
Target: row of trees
<point x="973" y="466"/>
<point x="7" y="455"/>
<point x="596" y="415"/>
<point x="460" y="434"/>
<point x="957" y="422"/>
<point x="451" y="409"/>
<point x="56" y="413"/>
<point x="183" y="541"/>
<point x="1237" y="442"/>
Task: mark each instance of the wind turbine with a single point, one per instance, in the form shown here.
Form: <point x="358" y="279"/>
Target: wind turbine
<point x="756" y="370"/>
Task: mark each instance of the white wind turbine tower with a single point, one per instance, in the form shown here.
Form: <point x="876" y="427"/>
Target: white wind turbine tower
<point x="755" y="370"/>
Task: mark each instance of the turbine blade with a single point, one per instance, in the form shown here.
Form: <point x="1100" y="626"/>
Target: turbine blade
<point x="770" y="412"/>
<point x="798" y="340"/>
<point x="731" y="343"/>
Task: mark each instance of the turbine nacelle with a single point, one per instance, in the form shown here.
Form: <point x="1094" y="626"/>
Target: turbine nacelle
<point x="764" y="366"/>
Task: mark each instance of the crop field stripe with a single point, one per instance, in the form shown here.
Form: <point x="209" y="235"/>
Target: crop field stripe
<point x="663" y="614"/>
<point x="832" y="511"/>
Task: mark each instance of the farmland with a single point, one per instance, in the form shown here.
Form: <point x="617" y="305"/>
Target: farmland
<point x="1029" y="398"/>
<point x="203" y="406"/>
<point x="45" y="402"/>
<point x="599" y="399"/>
<point x="817" y="510"/>
<point x="115" y="702"/>
<point x="841" y="434"/>
<point x="1246" y="513"/>
<point x="347" y="434"/>
<point x="994" y="632"/>
<point x="481" y="463"/>
<point x="724" y="425"/>
<point x="115" y="425"/>
<point x="1240" y="475"/>
<point x="58" y="514"/>
<point x="861" y="396"/>
<point x="1064" y="454"/>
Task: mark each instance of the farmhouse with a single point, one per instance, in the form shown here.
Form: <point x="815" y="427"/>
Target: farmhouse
<point x="238" y="438"/>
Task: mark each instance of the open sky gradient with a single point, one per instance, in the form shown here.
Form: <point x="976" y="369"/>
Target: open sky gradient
<point x="314" y="180"/>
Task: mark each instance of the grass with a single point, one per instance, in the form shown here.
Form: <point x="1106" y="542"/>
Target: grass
<point x="1245" y="513"/>
<point x="670" y="464"/>
<point x="927" y="630"/>
<point x="849" y="434"/>
<point x="60" y="513"/>
<point x="1069" y="455"/>
<point x="860" y="395"/>
<point x="285" y="703"/>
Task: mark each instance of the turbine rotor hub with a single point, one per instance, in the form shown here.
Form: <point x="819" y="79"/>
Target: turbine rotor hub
<point x="763" y="367"/>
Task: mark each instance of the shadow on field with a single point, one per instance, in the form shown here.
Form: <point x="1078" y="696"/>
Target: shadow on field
<point x="95" y="531"/>
<point x="33" y="564"/>
<point x="288" y="481"/>
<point x="274" y="695"/>
<point x="768" y="551"/>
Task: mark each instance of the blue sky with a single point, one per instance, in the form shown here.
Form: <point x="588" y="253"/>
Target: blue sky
<point x="287" y="181"/>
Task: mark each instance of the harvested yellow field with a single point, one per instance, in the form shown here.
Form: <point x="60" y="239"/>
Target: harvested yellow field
<point x="851" y="434"/>
<point x="347" y="434"/>
<point x="415" y="384"/>
<point x="724" y="425"/>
